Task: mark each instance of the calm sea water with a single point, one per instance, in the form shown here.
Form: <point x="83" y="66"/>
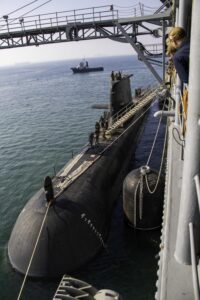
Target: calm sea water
<point x="45" y="115"/>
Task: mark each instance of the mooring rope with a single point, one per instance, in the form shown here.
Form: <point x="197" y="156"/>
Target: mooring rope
<point x="160" y="170"/>
<point x="141" y="197"/>
<point x="36" y="243"/>
<point x="156" y="135"/>
<point x="162" y="159"/>
<point x="135" y="204"/>
<point x="140" y="182"/>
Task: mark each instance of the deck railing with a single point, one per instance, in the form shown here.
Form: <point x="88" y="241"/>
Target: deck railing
<point x="58" y="19"/>
<point x="194" y="263"/>
<point x="131" y="105"/>
<point x="77" y="16"/>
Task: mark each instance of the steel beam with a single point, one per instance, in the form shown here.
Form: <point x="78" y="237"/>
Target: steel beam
<point x="76" y="25"/>
<point x="184" y="11"/>
<point x="139" y="52"/>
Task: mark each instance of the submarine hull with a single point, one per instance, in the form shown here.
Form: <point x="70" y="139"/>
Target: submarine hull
<point x="78" y="222"/>
<point x="85" y="190"/>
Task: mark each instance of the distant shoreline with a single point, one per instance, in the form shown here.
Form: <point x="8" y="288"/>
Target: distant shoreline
<point x="23" y="64"/>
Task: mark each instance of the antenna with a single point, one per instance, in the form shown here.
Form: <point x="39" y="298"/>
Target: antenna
<point x="36" y="8"/>
<point x="12" y="12"/>
<point x="13" y="20"/>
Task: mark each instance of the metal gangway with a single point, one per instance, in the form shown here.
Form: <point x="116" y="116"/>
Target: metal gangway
<point x="130" y="110"/>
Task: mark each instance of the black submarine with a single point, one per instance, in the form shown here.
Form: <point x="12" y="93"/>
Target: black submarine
<point x="83" y="192"/>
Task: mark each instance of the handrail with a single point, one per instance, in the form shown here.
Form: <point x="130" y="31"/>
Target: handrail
<point x="127" y="108"/>
<point x="197" y="184"/>
<point x="83" y="15"/>
<point x="194" y="263"/>
<point x="100" y="13"/>
<point x="149" y="96"/>
<point x="122" y="112"/>
<point x="192" y="246"/>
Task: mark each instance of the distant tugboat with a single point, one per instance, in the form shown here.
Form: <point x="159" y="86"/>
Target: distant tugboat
<point x="83" y="67"/>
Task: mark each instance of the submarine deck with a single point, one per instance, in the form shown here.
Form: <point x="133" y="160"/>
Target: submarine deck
<point x="81" y="162"/>
<point x="174" y="279"/>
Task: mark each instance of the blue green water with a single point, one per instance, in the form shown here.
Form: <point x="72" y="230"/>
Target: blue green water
<point x="45" y="115"/>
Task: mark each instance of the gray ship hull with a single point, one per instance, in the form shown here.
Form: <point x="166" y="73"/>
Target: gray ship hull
<point x="86" y="70"/>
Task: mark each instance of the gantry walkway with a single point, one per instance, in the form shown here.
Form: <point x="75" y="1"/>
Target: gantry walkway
<point x="82" y="24"/>
<point x="130" y="110"/>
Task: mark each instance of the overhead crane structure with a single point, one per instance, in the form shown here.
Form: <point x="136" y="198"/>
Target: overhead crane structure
<point x="86" y="24"/>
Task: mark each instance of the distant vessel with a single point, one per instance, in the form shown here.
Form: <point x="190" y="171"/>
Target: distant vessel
<point x="83" y="67"/>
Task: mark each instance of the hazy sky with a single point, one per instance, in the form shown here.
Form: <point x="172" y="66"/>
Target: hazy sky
<point x="70" y="50"/>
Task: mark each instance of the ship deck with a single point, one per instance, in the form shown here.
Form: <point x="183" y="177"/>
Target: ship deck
<point x="174" y="279"/>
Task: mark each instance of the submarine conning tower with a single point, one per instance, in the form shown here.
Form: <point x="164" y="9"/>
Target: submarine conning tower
<point x="120" y="94"/>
